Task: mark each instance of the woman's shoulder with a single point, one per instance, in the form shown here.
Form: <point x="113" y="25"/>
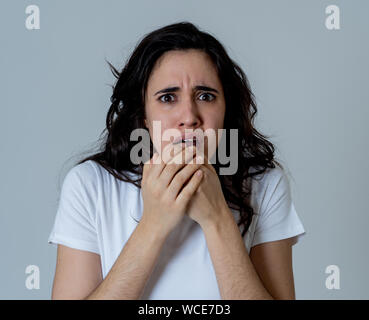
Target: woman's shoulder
<point x="82" y="176"/>
<point x="93" y="173"/>
<point x="270" y="179"/>
<point x="87" y="171"/>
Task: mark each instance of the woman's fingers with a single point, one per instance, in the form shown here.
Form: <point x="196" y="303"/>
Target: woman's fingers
<point x="147" y="166"/>
<point x="190" y="188"/>
<point x="173" y="170"/>
<point x="176" y="164"/>
<point x="170" y="151"/>
<point x="185" y="156"/>
<point x="183" y="176"/>
<point x="160" y="161"/>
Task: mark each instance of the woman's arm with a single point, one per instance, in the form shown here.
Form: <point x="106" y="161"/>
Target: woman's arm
<point x="273" y="263"/>
<point x="78" y="273"/>
<point x="234" y="268"/>
<point x="236" y="275"/>
<point x="165" y="200"/>
<point x="131" y="270"/>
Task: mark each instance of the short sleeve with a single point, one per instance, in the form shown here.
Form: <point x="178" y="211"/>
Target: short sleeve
<point x="74" y="224"/>
<point x="278" y="218"/>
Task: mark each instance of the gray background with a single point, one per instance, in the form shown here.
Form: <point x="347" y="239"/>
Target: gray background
<point x="312" y="92"/>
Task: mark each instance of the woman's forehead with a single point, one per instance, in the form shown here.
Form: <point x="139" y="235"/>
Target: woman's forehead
<point x="183" y="68"/>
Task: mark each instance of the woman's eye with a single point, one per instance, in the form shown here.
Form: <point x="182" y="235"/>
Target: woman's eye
<point x="170" y="98"/>
<point x="166" y="98"/>
<point x="206" y="97"/>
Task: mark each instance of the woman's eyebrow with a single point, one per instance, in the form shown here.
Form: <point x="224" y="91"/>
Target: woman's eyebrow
<point x="174" y="89"/>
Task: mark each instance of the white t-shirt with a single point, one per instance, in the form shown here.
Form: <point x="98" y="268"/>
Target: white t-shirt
<point x="98" y="213"/>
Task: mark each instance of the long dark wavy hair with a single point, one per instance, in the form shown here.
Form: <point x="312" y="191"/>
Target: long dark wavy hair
<point x="127" y="112"/>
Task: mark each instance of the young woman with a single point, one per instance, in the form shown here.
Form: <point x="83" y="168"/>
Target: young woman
<point x="168" y="229"/>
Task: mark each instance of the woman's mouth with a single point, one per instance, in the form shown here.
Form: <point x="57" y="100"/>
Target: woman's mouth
<point x="188" y="142"/>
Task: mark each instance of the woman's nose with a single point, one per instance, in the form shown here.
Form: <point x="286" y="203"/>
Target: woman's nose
<point x="189" y="116"/>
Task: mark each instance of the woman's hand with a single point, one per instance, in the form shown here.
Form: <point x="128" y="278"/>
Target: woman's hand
<point x="168" y="183"/>
<point x="208" y="204"/>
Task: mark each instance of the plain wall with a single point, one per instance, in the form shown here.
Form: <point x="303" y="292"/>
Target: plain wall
<point x="311" y="86"/>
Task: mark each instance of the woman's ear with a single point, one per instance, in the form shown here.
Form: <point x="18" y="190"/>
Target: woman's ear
<point x="146" y="123"/>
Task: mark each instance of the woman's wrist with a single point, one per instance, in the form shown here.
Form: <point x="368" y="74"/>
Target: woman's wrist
<point x="155" y="232"/>
<point x="220" y="218"/>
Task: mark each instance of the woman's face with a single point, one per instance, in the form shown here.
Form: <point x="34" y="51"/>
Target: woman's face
<point x="184" y="92"/>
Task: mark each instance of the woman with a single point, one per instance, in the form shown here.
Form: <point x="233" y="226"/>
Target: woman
<point x="168" y="229"/>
